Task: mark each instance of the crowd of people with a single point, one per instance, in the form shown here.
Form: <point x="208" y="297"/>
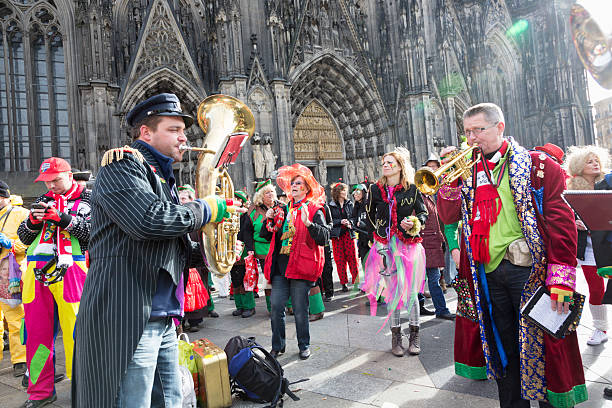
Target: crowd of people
<point x="122" y="267"/>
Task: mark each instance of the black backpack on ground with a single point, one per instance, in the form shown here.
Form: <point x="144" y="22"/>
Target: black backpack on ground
<point x="255" y="375"/>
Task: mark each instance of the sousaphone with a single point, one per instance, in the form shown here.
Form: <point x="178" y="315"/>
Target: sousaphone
<point x="227" y="123"/>
<point x="592" y="44"/>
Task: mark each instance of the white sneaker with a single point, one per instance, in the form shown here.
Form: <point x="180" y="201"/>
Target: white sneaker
<point x="597" y="338"/>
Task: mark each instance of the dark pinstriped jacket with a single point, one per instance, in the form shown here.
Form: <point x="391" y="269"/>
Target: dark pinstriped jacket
<point x="136" y="230"/>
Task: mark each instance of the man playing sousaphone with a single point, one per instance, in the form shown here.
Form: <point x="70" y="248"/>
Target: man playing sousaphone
<point x="139" y="252"/>
<point x="518" y="235"/>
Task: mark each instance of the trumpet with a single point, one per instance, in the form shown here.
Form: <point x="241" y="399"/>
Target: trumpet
<point x="460" y="165"/>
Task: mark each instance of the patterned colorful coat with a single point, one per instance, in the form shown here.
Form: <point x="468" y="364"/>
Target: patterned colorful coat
<point x="551" y="369"/>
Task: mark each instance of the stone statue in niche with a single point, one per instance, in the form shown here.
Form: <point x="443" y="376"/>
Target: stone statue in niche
<point x="324" y="19"/>
<point x="314" y="31"/>
<point x="258" y="157"/>
<point x="322" y="173"/>
<point x="371" y="169"/>
<point x="137" y="19"/>
<point x="360" y="170"/>
<point x="335" y="35"/>
<point x="81" y="159"/>
<point x="125" y="49"/>
<point x="268" y="155"/>
<point x="351" y="176"/>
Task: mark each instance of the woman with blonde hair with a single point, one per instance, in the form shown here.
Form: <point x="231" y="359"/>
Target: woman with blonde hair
<point x="264" y="198"/>
<point x="585" y="166"/>
<point x="395" y="267"/>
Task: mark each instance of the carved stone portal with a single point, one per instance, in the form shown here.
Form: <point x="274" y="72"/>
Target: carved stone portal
<point x="315" y="136"/>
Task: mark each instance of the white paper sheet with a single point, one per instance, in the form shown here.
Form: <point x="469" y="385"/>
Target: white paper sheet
<point x="543" y="314"/>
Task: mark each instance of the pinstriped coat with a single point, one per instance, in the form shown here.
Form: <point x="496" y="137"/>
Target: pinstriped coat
<point x="136" y="230"/>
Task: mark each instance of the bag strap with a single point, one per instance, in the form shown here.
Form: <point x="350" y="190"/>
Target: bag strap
<point x="283" y="386"/>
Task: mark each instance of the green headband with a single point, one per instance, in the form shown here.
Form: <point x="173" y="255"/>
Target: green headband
<point x="262" y="184"/>
<point x="186" y="187"/>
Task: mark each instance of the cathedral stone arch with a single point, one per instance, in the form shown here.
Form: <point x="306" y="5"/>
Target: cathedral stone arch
<point x="344" y="91"/>
<point x="317" y="142"/>
<point x="189" y="95"/>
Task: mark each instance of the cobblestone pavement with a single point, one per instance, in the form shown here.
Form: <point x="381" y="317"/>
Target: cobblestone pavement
<point x="351" y="365"/>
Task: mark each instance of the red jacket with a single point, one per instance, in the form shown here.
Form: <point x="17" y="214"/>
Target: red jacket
<point x="306" y="257"/>
<point x="432" y="236"/>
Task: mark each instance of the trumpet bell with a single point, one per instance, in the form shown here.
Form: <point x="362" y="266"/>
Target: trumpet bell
<point x="592" y="45"/>
<point x="426" y="181"/>
<point x="460" y="165"/>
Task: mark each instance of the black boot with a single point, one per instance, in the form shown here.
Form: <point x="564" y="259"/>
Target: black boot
<point x="423" y="310"/>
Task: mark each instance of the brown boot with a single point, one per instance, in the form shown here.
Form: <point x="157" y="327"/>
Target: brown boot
<point x="414" y="346"/>
<point x="396" y="342"/>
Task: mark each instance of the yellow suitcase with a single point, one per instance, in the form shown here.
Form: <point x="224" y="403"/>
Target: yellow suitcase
<point x="214" y="382"/>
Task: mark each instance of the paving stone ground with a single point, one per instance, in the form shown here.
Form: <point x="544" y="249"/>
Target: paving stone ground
<point x="351" y="365"/>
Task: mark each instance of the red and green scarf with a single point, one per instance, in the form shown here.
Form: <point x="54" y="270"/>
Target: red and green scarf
<point x="487" y="203"/>
<point x="52" y="239"/>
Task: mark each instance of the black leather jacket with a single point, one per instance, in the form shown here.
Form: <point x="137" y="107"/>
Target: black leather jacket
<point x="338" y="214"/>
<point x="408" y="202"/>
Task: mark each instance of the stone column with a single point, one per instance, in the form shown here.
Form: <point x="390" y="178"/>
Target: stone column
<point x="242" y="171"/>
<point x="281" y="91"/>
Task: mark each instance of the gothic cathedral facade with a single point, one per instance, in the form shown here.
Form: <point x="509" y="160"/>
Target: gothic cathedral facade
<point x="333" y="84"/>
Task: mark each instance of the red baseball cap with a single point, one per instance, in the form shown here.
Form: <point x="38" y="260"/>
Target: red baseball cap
<point x="50" y="168"/>
<point x="553" y="150"/>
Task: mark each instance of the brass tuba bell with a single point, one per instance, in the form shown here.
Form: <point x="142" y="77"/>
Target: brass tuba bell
<point x="592" y="45"/>
<point x="227" y="123"/>
<point x="460" y="165"/>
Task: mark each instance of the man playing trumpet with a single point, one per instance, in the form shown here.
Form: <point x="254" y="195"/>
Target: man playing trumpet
<point x="518" y="235"/>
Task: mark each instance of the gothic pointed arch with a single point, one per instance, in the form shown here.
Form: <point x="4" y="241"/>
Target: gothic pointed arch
<point x="161" y="44"/>
<point x="315" y="136"/>
<point x="324" y="27"/>
<point x="257" y="74"/>
<point x="163" y="80"/>
<point x="345" y="92"/>
<point x="261" y="103"/>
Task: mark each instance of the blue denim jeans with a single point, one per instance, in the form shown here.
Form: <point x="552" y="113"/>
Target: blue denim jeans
<point x="437" y="296"/>
<point x="152" y="378"/>
<point x="450" y="270"/>
<point x="298" y="289"/>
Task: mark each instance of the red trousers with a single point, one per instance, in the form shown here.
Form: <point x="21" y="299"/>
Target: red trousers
<point x="345" y="252"/>
<point x="596" y="284"/>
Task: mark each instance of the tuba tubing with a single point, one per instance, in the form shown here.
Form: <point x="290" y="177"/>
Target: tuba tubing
<point x="220" y="117"/>
<point x="594" y="47"/>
